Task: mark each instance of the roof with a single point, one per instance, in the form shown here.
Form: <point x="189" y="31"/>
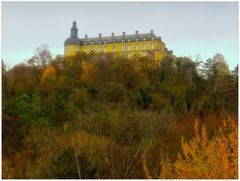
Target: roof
<point x="112" y="39"/>
<point x="121" y="38"/>
<point x="72" y="41"/>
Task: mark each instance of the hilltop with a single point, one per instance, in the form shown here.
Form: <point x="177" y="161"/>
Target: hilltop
<point x="99" y="116"/>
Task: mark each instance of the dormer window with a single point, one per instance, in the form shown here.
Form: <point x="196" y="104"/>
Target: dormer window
<point x="129" y="40"/>
<point x="122" y="40"/>
<point x="92" y="42"/>
<point x="152" y="38"/>
<point x="137" y="39"/>
<point x="144" y="39"/>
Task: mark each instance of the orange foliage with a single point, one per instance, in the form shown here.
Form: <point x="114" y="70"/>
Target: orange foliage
<point x="145" y="169"/>
<point x="215" y="158"/>
<point x="203" y="157"/>
<point x="89" y="71"/>
<point x="49" y="75"/>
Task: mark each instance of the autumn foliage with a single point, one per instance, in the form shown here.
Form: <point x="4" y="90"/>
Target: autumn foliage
<point x="204" y="157"/>
<point x="49" y="75"/>
<point x="101" y="116"/>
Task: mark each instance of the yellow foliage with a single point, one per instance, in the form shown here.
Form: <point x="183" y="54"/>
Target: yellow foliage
<point x="166" y="169"/>
<point x="89" y="71"/>
<point x="49" y="75"/>
<point x="204" y="158"/>
<point x="7" y="170"/>
<point x="215" y="158"/>
<point x="52" y="142"/>
<point x="159" y="101"/>
<point x="204" y="136"/>
<point x="145" y="169"/>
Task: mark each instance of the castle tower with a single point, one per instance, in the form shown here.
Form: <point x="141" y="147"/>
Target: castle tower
<point x="72" y="44"/>
<point x="74" y="30"/>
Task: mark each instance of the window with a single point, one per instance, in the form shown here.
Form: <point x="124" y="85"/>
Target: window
<point x="105" y="49"/>
<point x="77" y="49"/>
<point x="85" y="50"/>
<point x="144" y="46"/>
<point x="136" y="47"/>
<point x="123" y="48"/>
<point x="128" y="55"/>
<point x="129" y="47"/>
<point x="113" y="48"/>
<point x="99" y="49"/>
<point x="152" y="45"/>
<point x="92" y="50"/>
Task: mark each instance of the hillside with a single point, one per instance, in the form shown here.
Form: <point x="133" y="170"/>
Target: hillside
<point x="107" y="117"/>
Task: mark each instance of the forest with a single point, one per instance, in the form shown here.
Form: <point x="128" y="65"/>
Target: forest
<point x="102" y="116"/>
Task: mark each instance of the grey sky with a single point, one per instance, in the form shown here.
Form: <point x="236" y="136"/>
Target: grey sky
<point x="187" y="28"/>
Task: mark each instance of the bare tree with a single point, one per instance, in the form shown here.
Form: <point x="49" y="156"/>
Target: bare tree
<point x="42" y="56"/>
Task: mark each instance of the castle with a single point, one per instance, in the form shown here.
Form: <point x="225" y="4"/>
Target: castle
<point x="128" y="46"/>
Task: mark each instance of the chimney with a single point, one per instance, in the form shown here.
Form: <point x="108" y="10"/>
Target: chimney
<point x="124" y="34"/>
<point x="136" y="32"/>
<point x="112" y="34"/>
<point x="151" y="32"/>
<point x="86" y="36"/>
<point x="100" y="35"/>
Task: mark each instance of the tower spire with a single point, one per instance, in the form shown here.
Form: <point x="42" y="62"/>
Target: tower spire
<point x="74" y="30"/>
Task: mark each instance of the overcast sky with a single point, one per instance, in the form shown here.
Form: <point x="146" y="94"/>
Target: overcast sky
<point x="187" y="28"/>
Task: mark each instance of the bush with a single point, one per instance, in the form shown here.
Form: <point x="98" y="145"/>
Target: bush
<point x="69" y="165"/>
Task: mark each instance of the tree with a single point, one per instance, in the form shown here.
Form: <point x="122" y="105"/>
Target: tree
<point x="42" y="57"/>
<point x="209" y="158"/>
<point x="187" y="69"/>
<point x="69" y="165"/>
<point x="28" y="111"/>
<point x="203" y="157"/>
<point x="235" y="73"/>
<point x="49" y="76"/>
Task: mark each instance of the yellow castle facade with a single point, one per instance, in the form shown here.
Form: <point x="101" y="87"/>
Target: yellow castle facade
<point x="127" y="46"/>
